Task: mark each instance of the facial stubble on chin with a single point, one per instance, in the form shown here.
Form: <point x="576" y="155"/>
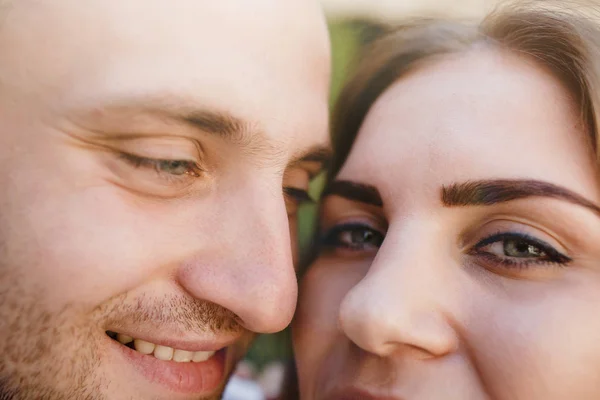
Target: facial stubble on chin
<point x="34" y="341"/>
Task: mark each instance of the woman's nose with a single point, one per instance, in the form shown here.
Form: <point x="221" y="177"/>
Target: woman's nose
<point x="399" y="305"/>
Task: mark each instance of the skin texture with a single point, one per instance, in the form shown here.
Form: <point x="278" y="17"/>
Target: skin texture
<point x="429" y="314"/>
<point x="92" y="239"/>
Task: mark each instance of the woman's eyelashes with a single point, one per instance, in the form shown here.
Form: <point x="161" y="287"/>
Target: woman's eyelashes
<point x="511" y="249"/>
<point x="500" y="250"/>
<point x="354" y="236"/>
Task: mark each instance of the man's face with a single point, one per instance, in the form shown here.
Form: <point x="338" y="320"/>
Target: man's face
<point x="151" y="153"/>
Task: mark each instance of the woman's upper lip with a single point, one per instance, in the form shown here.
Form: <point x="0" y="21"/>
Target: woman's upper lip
<point x="359" y="394"/>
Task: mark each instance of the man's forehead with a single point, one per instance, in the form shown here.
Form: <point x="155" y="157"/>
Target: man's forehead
<point x="221" y="17"/>
<point x="285" y="32"/>
<point x="265" y="58"/>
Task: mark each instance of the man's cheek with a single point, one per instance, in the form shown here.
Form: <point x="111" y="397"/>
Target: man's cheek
<point x="83" y="255"/>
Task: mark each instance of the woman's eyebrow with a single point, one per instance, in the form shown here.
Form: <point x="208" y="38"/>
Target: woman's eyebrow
<point x="488" y="192"/>
<point x="354" y="191"/>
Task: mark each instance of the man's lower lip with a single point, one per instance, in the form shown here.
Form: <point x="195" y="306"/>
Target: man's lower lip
<point x="187" y="377"/>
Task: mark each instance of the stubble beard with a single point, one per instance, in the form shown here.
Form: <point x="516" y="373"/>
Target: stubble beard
<point x="43" y="357"/>
<point x="59" y="355"/>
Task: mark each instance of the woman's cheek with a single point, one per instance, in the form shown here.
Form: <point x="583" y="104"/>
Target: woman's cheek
<point x="544" y="343"/>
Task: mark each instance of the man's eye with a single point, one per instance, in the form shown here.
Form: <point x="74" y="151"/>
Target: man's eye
<point x="294" y="198"/>
<point x="299" y="196"/>
<point x="175" y="168"/>
<point x="355" y="237"/>
<point x="516" y="249"/>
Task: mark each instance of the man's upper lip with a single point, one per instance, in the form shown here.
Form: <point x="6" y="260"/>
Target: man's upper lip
<point x="358" y="394"/>
<point x="210" y="342"/>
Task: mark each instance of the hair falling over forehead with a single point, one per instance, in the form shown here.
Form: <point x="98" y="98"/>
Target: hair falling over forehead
<point x="562" y="36"/>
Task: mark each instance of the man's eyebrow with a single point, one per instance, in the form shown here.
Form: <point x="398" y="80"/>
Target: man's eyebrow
<point x="223" y="124"/>
<point x="235" y="129"/>
<point x="489" y="192"/>
<point x="209" y="120"/>
<point x="354" y="191"/>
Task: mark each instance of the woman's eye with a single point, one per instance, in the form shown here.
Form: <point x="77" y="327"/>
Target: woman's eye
<point x="356" y="237"/>
<point x="519" y="249"/>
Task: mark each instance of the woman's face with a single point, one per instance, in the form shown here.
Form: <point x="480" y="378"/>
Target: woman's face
<point x="459" y="254"/>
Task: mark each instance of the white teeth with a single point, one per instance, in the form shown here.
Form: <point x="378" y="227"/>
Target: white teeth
<point x="201" y="356"/>
<point x="163" y="353"/>
<point x="182" y="356"/>
<point x="124" y="339"/>
<point x="143" y="347"/>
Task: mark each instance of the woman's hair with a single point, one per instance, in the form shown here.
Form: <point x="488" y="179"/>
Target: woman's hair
<point x="561" y="36"/>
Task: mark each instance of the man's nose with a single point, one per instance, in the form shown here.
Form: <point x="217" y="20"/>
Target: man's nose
<point x="399" y="305"/>
<point x="248" y="268"/>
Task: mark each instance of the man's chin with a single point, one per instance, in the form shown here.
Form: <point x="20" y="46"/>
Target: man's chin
<point x="70" y="355"/>
<point x="122" y="383"/>
<point x="17" y="388"/>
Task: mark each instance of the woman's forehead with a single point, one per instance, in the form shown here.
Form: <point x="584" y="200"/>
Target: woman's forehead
<point x="479" y="115"/>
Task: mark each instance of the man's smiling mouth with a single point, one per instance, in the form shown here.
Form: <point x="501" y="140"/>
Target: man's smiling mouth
<point x="198" y="367"/>
<point x="163" y="353"/>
